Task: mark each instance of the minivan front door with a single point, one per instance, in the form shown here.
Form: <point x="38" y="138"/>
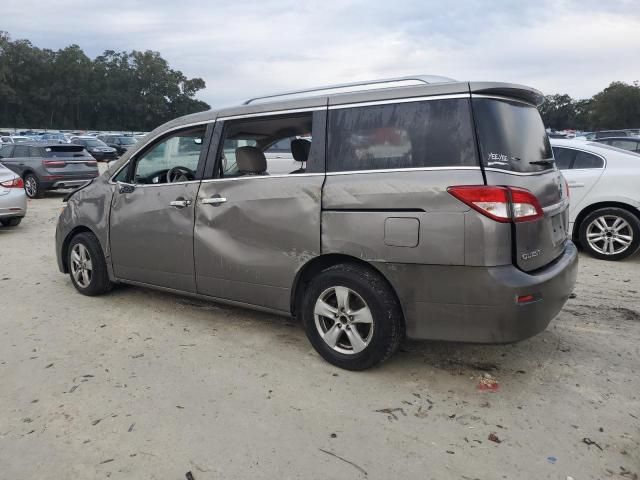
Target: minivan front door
<point x="151" y="224"/>
<point x="258" y="224"/>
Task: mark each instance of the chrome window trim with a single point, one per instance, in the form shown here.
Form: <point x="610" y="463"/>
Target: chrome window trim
<point x="522" y="174"/>
<point x="604" y="160"/>
<point x="503" y="97"/>
<point x="150" y="140"/>
<point x="409" y="169"/>
<point x="400" y="100"/>
<point x="252" y="177"/>
<point x="272" y="113"/>
<point x="144" y="185"/>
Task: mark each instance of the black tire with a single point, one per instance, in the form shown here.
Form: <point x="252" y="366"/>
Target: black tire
<point x="98" y="280"/>
<point x="36" y="191"/>
<point x="11" y="222"/>
<point x="377" y="295"/>
<point x="609" y="213"/>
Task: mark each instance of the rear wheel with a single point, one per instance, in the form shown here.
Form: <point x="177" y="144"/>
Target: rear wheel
<point x="610" y="233"/>
<point x="11" y="222"/>
<point x="352" y="317"/>
<point x="32" y="186"/>
<point x="87" y="267"/>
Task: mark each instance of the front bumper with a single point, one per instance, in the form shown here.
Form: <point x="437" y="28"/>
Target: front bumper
<point x="478" y="304"/>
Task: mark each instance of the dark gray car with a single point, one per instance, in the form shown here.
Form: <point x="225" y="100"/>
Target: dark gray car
<point x="49" y="166"/>
<point x="432" y="210"/>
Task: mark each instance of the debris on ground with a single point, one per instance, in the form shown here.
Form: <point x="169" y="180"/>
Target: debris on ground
<point x="488" y="383"/>
<point x="362" y="470"/>
<point x="109" y="460"/>
<point x="390" y="412"/>
<point x="494" y="438"/>
<point x="131" y="427"/>
<point x="552" y="460"/>
<point x="588" y="441"/>
<point x="189" y="476"/>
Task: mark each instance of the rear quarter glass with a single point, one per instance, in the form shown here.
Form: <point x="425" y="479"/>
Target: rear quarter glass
<point x="511" y="135"/>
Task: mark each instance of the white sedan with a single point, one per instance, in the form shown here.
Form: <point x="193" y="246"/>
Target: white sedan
<point x="604" y="186"/>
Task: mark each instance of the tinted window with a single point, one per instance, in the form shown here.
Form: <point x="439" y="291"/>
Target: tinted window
<point x="436" y="133"/>
<point x="511" y="135"/>
<point x="563" y="157"/>
<point x="625" y="144"/>
<point x="127" y="141"/>
<point x="35" y="152"/>
<point x="21" y="151"/>
<point x="6" y="151"/>
<point x="587" y="160"/>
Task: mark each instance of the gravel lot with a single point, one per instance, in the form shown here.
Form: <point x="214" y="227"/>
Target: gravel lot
<point x="140" y="384"/>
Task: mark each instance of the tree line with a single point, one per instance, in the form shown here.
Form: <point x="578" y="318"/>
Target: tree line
<point x="615" y="107"/>
<point x="65" y="89"/>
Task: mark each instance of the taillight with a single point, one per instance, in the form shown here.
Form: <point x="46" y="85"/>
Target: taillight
<point x="54" y="163"/>
<point x="566" y="187"/>
<point x="15" y="183"/>
<point x="502" y="204"/>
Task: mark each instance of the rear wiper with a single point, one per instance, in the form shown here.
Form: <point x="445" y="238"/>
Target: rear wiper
<point x="549" y="161"/>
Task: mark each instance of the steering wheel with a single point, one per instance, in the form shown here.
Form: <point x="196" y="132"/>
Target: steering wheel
<point x="180" y="174"/>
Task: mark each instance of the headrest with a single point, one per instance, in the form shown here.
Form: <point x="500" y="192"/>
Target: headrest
<point x="250" y="160"/>
<point x="300" y="149"/>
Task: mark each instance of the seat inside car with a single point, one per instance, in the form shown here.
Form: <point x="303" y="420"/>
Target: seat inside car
<point x="300" y="148"/>
<point x="251" y="161"/>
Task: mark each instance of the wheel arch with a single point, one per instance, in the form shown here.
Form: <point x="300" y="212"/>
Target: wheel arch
<point x="322" y="262"/>
<point x="575" y="234"/>
<point x="67" y="242"/>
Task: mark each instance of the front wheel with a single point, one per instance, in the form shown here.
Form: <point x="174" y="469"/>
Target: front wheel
<point x="610" y="233"/>
<point x="87" y="267"/>
<point x="32" y="186"/>
<point x="352" y="317"/>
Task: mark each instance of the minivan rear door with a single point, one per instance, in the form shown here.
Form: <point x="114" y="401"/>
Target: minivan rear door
<point x="515" y="152"/>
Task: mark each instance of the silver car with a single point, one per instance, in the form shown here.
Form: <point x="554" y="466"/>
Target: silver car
<point x="418" y="206"/>
<point x="13" y="201"/>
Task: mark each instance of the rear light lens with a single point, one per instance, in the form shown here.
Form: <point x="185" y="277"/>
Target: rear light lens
<point x="15" y="183"/>
<point x="54" y="163"/>
<point x="566" y="187"/>
<point x="502" y="204"/>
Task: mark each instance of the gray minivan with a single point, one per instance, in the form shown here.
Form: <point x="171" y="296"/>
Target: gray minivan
<point x="419" y="206"/>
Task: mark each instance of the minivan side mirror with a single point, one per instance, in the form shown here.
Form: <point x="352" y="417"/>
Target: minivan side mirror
<point x="125" y="187"/>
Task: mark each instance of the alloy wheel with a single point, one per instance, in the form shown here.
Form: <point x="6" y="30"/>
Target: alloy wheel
<point x="81" y="265"/>
<point x="609" y="235"/>
<point x="30" y="186"/>
<point x="343" y="320"/>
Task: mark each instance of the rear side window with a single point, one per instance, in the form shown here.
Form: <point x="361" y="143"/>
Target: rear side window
<point x="35" y="152"/>
<point x="435" y="133"/>
<point x="6" y="151"/>
<point x="564" y="157"/>
<point x="21" y="151"/>
<point x="511" y="135"/>
<point x="587" y="160"/>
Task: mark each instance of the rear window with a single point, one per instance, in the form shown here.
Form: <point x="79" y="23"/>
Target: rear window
<point x="435" y="133"/>
<point x="511" y="135"/>
<point x="127" y="141"/>
<point x="68" y="150"/>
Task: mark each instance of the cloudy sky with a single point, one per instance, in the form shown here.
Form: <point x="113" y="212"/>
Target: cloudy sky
<point x="242" y="48"/>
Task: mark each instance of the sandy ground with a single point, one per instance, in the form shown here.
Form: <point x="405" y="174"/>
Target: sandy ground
<point x="140" y="384"/>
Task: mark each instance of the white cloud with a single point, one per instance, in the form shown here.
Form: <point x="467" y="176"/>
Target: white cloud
<point x="252" y="47"/>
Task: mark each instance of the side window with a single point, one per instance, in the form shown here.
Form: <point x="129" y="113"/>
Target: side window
<point x="35" y="152"/>
<point x="625" y="144"/>
<point x="435" y="133"/>
<point x="563" y="157"/>
<point x="278" y="145"/>
<point x="172" y="159"/>
<point x="21" y="151"/>
<point x="6" y="151"/>
<point x="587" y="160"/>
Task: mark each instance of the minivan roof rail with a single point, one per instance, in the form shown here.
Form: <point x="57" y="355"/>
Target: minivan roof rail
<point x="427" y="79"/>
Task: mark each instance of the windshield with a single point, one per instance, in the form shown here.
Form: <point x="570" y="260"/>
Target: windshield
<point x="94" y="143"/>
<point x="128" y="141"/>
<point x="511" y="135"/>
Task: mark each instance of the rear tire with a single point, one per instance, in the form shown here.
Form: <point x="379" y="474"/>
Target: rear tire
<point x="352" y="317"/>
<point x="87" y="267"/>
<point x="11" y="222"/>
<point x="610" y="233"/>
<point x="32" y="186"/>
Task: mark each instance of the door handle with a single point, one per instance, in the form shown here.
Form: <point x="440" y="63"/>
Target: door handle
<point x="575" y="184"/>
<point x="213" y="200"/>
<point x="180" y="203"/>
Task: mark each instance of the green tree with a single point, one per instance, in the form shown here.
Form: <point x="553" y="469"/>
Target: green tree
<point x="558" y="111"/>
<point x="617" y="106"/>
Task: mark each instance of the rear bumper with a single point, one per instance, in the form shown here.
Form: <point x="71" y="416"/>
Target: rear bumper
<point x="66" y="182"/>
<point x="478" y="304"/>
<point x="13" y="204"/>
